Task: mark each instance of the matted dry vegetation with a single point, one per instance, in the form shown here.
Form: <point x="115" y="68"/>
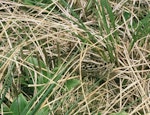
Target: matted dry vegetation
<point x="61" y="42"/>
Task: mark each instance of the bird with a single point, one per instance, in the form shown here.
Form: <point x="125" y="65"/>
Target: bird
<point x="94" y="66"/>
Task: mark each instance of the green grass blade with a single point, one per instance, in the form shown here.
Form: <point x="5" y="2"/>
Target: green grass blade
<point x="104" y="8"/>
<point x="7" y="83"/>
<point x="142" y="31"/>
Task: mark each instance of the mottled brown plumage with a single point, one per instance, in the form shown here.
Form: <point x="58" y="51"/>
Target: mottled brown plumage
<point x="94" y="66"/>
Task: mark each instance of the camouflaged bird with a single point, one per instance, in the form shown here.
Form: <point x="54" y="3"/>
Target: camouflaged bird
<point x="93" y="66"/>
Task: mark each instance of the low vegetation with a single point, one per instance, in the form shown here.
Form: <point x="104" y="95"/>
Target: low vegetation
<point x="74" y="57"/>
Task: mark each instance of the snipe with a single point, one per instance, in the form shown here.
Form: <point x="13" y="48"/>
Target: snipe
<point x="93" y="66"/>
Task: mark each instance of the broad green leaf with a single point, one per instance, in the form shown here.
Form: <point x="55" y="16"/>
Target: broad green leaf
<point x="36" y="62"/>
<point x="72" y="83"/>
<point x="99" y="114"/>
<point x="29" y="2"/>
<point x="127" y="15"/>
<point x="43" y="111"/>
<point x="120" y="113"/>
<point x="39" y="65"/>
<point x="18" y="105"/>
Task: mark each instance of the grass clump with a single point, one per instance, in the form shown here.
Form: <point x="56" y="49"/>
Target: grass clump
<point x="74" y="57"/>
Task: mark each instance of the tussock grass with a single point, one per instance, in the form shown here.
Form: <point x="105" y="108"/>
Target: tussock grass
<point x="43" y="46"/>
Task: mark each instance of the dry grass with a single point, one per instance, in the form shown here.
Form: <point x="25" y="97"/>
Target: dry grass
<point x="61" y="43"/>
